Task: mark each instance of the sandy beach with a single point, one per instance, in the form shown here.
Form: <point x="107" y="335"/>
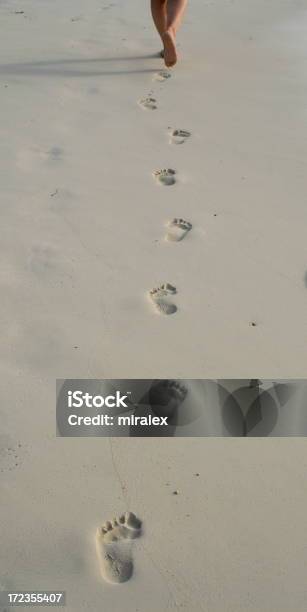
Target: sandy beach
<point x="83" y="220"/>
<point x="83" y="242"/>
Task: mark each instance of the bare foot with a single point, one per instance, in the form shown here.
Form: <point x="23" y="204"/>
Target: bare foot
<point x="170" y="53"/>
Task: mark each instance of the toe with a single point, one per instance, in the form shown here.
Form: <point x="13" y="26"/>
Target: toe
<point x="132" y="521"/>
<point x="101" y="532"/>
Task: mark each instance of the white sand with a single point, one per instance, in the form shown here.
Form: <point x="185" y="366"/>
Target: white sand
<point x="82" y="241"/>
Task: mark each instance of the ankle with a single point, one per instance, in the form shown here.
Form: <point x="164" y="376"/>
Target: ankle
<point x="170" y="31"/>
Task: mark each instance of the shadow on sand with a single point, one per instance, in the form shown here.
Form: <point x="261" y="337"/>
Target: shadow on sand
<point x="77" y="67"/>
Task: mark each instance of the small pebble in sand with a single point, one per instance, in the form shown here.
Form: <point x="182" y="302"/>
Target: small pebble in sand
<point x="176" y="492"/>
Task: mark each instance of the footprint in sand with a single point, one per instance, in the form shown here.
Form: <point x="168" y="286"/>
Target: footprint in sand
<point x="113" y="546"/>
<point x="148" y="103"/>
<point x="178" y="229"/>
<point x="179" y="136"/>
<point x="162" y="75"/>
<point x="160" y="299"/>
<point x="166" y="176"/>
<point x="165" y="397"/>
